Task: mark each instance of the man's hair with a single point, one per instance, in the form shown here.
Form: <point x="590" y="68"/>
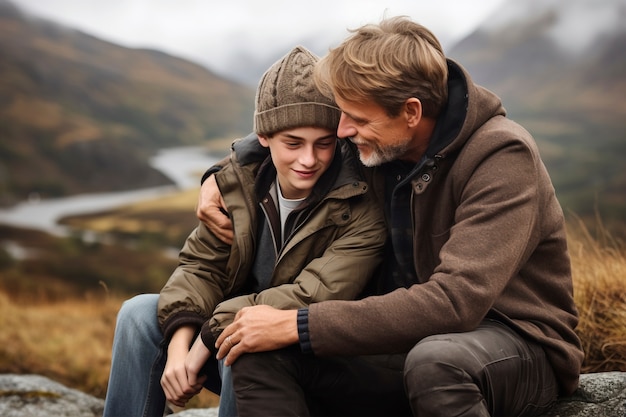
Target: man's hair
<point x="387" y="63"/>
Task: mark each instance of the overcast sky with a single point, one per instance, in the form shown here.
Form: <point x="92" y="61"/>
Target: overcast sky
<point x="225" y="35"/>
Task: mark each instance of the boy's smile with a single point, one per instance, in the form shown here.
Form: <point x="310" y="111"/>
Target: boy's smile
<point x="300" y="155"/>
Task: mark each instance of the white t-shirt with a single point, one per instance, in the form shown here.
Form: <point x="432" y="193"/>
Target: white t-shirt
<point x="285" y="206"/>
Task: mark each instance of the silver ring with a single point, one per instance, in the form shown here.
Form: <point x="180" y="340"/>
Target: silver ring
<point x="229" y="341"/>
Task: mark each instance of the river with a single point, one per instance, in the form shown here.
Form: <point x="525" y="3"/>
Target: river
<point x="184" y="166"/>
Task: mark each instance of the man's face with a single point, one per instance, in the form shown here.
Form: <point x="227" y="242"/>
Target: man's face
<point x="301" y="156"/>
<point x="379" y="138"/>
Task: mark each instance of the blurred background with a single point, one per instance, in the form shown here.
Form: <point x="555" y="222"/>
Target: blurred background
<point x="110" y="112"/>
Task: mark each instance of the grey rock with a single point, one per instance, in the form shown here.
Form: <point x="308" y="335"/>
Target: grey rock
<point x="35" y="396"/>
<point x="196" y="412"/>
<point x="601" y="394"/>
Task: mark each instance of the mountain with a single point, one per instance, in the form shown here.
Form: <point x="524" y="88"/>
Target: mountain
<point x="560" y="68"/>
<point x="78" y="114"/>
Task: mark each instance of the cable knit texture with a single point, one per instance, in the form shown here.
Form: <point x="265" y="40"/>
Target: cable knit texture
<point x="287" y="96"/>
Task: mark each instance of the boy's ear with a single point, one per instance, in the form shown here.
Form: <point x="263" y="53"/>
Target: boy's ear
<point x="263" y="141"/>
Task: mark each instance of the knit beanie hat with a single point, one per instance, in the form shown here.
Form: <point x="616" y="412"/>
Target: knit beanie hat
<point x="287" y="97"/>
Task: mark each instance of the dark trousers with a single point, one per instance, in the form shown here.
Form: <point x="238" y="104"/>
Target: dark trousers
<point x="485" y="372"/>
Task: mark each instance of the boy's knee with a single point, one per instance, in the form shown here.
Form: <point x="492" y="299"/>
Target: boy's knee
<point x="136" y="311"/>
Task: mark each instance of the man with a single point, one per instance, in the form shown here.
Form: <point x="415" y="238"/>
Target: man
<point x="475" y="293"/>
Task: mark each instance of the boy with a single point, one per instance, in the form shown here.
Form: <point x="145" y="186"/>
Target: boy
<point x="305" y="231"/>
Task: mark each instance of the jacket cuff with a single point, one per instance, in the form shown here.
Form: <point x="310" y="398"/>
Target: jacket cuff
<point x="303" y="331"/>
<point x="178" y="320"/>
<point x="207" y="336"/>
<point x="213" y="170"/>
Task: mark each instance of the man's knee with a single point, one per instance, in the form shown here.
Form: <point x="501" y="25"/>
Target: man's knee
<point x="267" y="381"/>
<point x="439" y="377"/>
<point x="439" y="349"/>
<point x="253" y="368"/>
<point x="244" y="369"/>
<point x="439" y="358"/>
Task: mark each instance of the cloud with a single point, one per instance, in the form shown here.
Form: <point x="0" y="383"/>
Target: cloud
<point x="241" y="33"/>
<point x="573" y="25"/>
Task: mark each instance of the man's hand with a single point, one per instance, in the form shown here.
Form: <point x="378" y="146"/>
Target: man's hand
<point x="257" y="329"/>
<point x="211" y="211"/>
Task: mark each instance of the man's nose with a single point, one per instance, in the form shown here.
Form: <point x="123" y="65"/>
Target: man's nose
<point x="346" y="128"/>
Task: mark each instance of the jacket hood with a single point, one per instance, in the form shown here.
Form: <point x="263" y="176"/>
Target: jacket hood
<point x="249" y="150"/>
<point x="469" y="107"/>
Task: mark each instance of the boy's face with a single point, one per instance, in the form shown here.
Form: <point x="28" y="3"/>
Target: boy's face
<point x="301" y="156"/>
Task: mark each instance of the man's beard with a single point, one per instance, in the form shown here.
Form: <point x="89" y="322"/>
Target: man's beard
<point x="380" y="155"/>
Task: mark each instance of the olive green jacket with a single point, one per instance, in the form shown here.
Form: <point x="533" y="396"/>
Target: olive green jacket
<point x="333" y="252"/>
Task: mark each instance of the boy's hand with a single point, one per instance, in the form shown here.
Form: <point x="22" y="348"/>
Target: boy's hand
<point x="197" y="357"/>
<point x="175" y="379"/>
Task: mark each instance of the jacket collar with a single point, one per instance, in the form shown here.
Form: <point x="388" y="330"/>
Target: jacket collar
<point x="469" y="106"/>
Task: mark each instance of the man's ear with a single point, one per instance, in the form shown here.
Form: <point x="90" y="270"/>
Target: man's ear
<point x="413" y="111"/>
<point x="263" y="141"/>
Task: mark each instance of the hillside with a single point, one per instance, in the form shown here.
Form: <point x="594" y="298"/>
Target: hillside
<point x="565" y="82"/>
<point x="80" y="114"/>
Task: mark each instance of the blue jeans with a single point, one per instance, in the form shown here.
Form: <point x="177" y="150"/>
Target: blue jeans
<point x="138" y="360"/>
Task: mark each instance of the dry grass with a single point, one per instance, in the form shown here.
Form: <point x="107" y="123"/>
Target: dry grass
<point x="599" y="273"/>
<point x="70" y="341"/>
